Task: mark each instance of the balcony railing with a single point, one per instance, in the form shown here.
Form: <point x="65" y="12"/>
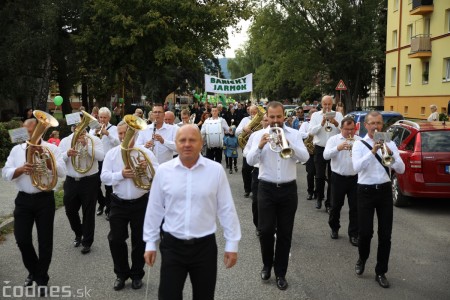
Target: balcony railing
<point x="420" y="46"/>
<point x="422" y="7"/>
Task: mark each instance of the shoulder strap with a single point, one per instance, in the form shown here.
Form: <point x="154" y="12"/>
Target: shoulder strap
<point x="376" y="156"/>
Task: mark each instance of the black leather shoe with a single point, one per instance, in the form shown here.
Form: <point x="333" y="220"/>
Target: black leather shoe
<point x="99" y="210"/>
<point x="246" y="195"/>
<point x="42" y="290"/>
<point x="28" y="281"/>
<point x="334" y="234"/>
<point x="231" y="171"/>
<point x="235" y="169"/>
<point x="282" y="283"/>
<point x="354" y="241"/>
<point x="86" y="249"/>
<point x="310" y="197"/>
<point x="119" y="284"/>
<point x="77" y="241"/>
<point x="328" y="209"/>
<point x="382" y="281"/>
<point x="319" y="203"/>
<point x="107" y="216"/>
<point x="359" y="267"/>
<point x="265" y="273"/>
<point x="136" y="284"/>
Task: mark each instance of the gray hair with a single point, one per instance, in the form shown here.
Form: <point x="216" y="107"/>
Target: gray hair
<point x="121" y="123"/>
<point x="433" y="106"/>
<point x="105" y="110"/>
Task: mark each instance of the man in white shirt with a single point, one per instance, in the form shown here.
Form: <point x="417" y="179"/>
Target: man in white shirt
<point x="190" y="209"/>
<point x="128" y="205"/>
<point x="160" y="138"/>
<point x="81" y="186"/>
<point x="318" y="128"/>
<point x="107" y="133"/>
<point x="309" y="165"/>
<point x="374" y="194"/>
<point x="33" y="206"/>
<point x="169" y="117"/>
<point x="213" y="131"/>
<point x="343" y="179"/>
<point x="277" y="193"/>
<point x="246" y="169"/>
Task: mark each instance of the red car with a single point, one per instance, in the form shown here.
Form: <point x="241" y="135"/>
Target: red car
<point x="425" y="150"/>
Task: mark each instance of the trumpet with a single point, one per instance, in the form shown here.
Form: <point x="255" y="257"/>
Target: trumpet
<point x="328" y="116"/>
<point x="381" y="138"/>
<point x="98" y="131"/>
<point x="350" y="141"/>
<point x="278" y="142"/>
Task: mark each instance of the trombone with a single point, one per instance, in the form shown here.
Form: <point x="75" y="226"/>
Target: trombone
<point x="278" y="142"/>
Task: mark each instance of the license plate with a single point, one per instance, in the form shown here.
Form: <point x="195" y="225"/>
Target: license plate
<point x="447" y="169"/>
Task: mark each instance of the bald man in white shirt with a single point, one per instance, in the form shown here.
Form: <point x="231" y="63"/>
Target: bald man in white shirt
<point x="190" y="209"/>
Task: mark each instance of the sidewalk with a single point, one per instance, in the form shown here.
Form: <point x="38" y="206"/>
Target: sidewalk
<point x="7" y="195"/>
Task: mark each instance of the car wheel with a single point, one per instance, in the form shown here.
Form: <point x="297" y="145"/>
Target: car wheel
<point x="398" y="198"/>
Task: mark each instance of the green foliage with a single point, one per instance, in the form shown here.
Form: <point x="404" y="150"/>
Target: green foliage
<point x="5" y="140"/>
<point x="443" y="117"/>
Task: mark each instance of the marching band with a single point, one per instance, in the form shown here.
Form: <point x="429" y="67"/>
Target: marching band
<point x="136" y="163"/>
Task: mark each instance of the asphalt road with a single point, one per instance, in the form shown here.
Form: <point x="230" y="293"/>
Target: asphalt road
<point x="319" y="268"/>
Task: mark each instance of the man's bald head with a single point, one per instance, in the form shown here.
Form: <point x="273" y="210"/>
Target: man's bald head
<point x="327" y="103"/>
<point x="169" y="117"/>
<point x="30" y="124"/>
<point x="189" y="144"/>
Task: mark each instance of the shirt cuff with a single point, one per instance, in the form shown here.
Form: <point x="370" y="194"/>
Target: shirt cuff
<point x="117" y="176"/>
<point x="230" y="246"/>
<point x="150" y="246"/>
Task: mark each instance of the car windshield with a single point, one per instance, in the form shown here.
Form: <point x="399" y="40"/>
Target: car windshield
<point x="435" y="141"/>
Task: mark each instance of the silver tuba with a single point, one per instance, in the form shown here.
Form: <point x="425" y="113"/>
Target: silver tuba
<point x="278" y="142"/>
<point x="382" y="138"/>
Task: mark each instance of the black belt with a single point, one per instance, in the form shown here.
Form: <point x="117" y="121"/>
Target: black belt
<point x="36" y="195"/>
<point x="167" y="236"/>
<point x="319" y="146"/>
<point x="278" y="185"/>
<point x="376" y="186"/>
<point x="115" y="198"/>
<point x="82" y="178"/>
<point x="345" y="176"/>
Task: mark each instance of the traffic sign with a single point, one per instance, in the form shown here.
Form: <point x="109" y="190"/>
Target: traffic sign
<point x="341" y="86"/>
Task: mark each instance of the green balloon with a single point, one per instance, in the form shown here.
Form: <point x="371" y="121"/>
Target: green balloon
<point x="58" y="100"/>
<point x="121" y="100"/>
<point x="197" y="96"/>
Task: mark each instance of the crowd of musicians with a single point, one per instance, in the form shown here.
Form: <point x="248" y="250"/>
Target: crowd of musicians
<point x="137" y="161"/>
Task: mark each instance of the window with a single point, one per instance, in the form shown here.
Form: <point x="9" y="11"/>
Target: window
<point x="448" y="20"/>
<point x="435" y="141"/>
<point x="393" y="76"/>
<point x="405" y="110"/>
<point x="409" y="33"/>
<point x="446" y="69"/>
<point x="396" y="5"/>
<point x="394" y="39"/>
<point x="426" y="26"/>
<point x="422" y="111"/>
<point x="392" y="108"/>
<point x="425" y="72"/>
<point x="408" y="74"/>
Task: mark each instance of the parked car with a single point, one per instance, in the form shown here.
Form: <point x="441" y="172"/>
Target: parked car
<point x="425" y="149"/>
<point x="289" y="110"/>
<point x="389" y="118"/>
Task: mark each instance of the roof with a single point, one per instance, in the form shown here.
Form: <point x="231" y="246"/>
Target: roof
<point x="425" y="125"/>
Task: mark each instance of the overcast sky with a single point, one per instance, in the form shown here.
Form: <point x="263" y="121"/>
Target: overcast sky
<point x="237" y="40"/>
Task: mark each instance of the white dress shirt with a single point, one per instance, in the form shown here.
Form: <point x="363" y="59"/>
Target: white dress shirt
<point x="272" y="167"/>
<point x="242" y="124"/>
<point x="99" y="154"/>
<point x="190" y="200"/>
<point x="304" y="130"/>
<point x="248" y="147"/>
<point x="163" y="152"/>
<point x="112" y="168"/>
<point x="433" y="117"/>
<point x="108" y="141"/>
<point x="370" y="171"/>
<point x="17" y="158"/>
<point x="318" y="131"/>
<point x="341" y="161"/>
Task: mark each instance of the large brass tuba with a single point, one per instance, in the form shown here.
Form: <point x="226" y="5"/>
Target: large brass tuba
<point x="255" y="125"/>
<point x="143" y="174"/>
<point x="44" y="175"/>
<point x="81" y="162"/>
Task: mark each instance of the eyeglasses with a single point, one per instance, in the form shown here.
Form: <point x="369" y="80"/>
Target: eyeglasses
<point x="158" y="112"/>
<point x="374" y="123"/>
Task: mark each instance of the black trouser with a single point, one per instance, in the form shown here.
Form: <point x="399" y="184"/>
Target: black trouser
<point x="247" y="175"/>
<point x="31" y="208"/>
<point x="82" y="194"/>
<point x="122" y="213"/>
<point x="214" y="154"/>
<point x="230" y="161"/>
<point x="277" y="205"/>
<point x="103" y="201"/>
<point x="198" y="258"/>
<point x="255" y="182"/>
<point x="310" y="174"/>
<point x="341" y="186"/>
<point x="379" y="199"/>
<point x="323" y="173"/>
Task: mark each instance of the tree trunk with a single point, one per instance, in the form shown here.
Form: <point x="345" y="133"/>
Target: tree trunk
<point x="42" y="94"/>
<point x="65" y="86"/>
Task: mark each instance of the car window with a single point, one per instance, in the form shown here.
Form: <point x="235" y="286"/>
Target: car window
<point x="388" y="120"/>
<point x="435" y="141"/>
<point x="397" y="133"/>
<point x="410" y="146"/>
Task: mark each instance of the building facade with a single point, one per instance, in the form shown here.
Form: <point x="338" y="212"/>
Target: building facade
<point x="418" y="57"/>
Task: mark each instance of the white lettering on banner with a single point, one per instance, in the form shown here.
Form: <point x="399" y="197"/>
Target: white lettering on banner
<point x="229" y="86"/>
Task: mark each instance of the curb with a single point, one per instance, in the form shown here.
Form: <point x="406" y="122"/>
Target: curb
<point x="7" y="224"/>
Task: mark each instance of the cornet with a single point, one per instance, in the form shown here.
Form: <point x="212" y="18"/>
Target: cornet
<point x="382" y="138"/>
<point x="350" y="141"/>
<point x="98" y="131"/>
<point x="278" y="142"/>
<point x="192" y="118"/>
<point x="328" y="116"/>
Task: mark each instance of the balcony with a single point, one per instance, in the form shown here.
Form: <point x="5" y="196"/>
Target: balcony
<point x="421" y="7"/>
<point x="420" y="46"/>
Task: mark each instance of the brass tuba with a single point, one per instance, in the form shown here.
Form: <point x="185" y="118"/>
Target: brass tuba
<point x="278" y="142"/>
<point x="81" y="162"/>
<point x="255" y="125"/>
<point x="142" y="179"/>
<point x="44" y="175"/>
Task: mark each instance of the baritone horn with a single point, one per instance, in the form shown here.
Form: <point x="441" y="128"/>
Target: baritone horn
<point x="44" y="175"/>
<point x="84" y="160"/>
<point x="140" y="163"/>
<point x="278" y="142"/>
<point x="382" y="138"/>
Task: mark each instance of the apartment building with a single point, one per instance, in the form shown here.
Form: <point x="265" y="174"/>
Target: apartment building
<point x="418" y="57"/>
